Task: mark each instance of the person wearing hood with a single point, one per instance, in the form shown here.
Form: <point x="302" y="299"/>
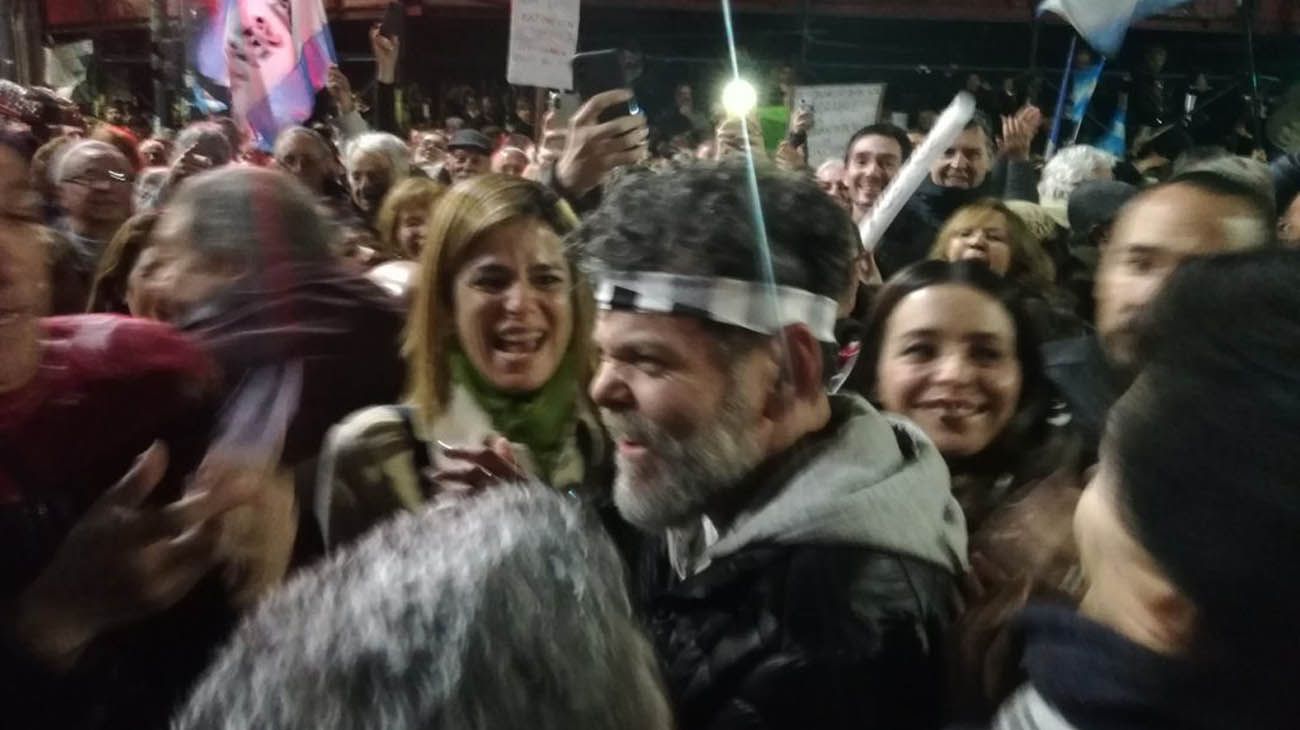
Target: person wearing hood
<point x="966" y="172"/>
<point x="811" y="543"/>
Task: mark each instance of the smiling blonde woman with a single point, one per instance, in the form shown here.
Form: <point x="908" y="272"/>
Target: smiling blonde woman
<point x="497" y="347"/>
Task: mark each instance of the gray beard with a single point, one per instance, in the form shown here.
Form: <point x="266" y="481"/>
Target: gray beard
<point x="682" y="476"/>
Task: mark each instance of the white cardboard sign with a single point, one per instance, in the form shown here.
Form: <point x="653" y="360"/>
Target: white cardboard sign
<point x="543" y="39"/>
<point x="840" y="110"/>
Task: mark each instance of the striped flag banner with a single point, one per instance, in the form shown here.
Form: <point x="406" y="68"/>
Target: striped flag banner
<point x="273" y="55"/>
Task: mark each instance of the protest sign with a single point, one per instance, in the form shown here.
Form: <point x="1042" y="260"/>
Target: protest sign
<point x="543" y="38"/>
<point x="840" y="110"/>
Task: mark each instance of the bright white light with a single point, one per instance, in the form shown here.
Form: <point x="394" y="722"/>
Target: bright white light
<point x="739" y="98"/>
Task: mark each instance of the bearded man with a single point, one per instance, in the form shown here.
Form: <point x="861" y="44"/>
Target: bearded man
<point x="813" y="542"/>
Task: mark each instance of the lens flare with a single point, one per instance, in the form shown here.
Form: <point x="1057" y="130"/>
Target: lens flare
<point x="739" y="98"/>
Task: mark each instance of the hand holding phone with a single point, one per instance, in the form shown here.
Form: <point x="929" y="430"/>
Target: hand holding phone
<point x="594" y="148"/>
<point x="394" y="21"/>
<point x="597" y="72"/>
<point x="385" y="49"/>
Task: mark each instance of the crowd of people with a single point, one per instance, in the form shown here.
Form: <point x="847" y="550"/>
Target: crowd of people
<point x="483" y="430"/>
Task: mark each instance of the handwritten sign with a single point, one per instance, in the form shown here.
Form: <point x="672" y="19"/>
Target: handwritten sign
<point x="543" y="38"/>
<point x="840" y="110"/>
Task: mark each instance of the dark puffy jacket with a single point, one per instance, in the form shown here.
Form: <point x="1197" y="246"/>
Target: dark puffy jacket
<point x="823" y="605"/>
<point x="807" y="637"/>
<point x="1080" y="373"/>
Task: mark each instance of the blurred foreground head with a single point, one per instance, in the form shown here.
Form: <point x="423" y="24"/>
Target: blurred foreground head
<point x="1190" y="532"/>
<point x="226" y="224"/>
<point x="504" y="611"/>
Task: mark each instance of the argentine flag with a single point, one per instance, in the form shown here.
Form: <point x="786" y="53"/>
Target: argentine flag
<point x="1115" y="140"/>
<point x="274" y="55"/>
<point x="1103" y="23"/>
<point x="1085" y="85"/>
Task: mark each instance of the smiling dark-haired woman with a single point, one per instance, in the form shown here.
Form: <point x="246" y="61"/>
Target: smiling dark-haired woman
<point x="949" y="345"/>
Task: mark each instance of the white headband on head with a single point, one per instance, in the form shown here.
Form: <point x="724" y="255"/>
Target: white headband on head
<point x="758" y="307"/>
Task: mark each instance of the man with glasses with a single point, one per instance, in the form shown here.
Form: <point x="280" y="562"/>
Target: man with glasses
<point x="93" y="183"/>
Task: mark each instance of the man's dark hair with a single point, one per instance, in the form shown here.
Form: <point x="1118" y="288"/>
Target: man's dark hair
<point x="1220" y="185"/>
<point x="883" y="129"/>
<point x="1199" y="155"/>
<point x="1212" y="492"/>
<point x="698" y="220"/>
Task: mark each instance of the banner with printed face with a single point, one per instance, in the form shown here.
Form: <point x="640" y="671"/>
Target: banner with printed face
<point x="274" y="55"/>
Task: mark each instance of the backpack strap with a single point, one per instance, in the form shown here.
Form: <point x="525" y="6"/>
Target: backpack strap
<point x="419" y="448"/>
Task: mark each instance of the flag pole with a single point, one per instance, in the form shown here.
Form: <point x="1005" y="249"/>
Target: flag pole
<point x="1256" y="104"/>
<point x="1055" y="138"/>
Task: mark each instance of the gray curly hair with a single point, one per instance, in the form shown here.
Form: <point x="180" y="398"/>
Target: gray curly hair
<point x="504" y="611"/>
<point x="1069" y="168"/>
<point x="390" y="147"/>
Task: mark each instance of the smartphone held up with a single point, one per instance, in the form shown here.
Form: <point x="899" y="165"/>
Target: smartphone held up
<point x="595" y="72"/>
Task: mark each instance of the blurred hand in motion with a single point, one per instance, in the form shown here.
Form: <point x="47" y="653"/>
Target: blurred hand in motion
<point x="476" y="468"/>
<point x="554" y="136"/>
<point x="788" y="157"/>
<point x="385" y="50"/>
<point x="729" y="138"/>
<point x="255" y="538"/>
<point x="594" y="148"/>
<point x="341" y="89"/>
<point x="123" y="561"/>
<point x="189" y="164"/>
<point x="803" y="121"/>
<point x="1018" y="133"/>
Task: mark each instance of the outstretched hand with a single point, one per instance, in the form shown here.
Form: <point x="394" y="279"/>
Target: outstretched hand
<point x="341" y="89"/>
<point x="594" y="148"/>
<point x="386" y="51"/>
<point x="123" y="561"/>
<point x="477" y="468"/>
<point x="1018" y="132"/>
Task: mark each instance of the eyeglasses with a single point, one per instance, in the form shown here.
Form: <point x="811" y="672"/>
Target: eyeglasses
<point x="100" y="177"/>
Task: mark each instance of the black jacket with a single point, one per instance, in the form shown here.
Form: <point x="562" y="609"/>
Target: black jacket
<point x="815" y="609"/>
<point x="1086" y="382"/>
<point x="811" y="636"/>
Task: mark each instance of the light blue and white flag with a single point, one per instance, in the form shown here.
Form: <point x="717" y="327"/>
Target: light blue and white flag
<point x="1085" y="85"/>
<point x="1104" y="23"/>
<point x="1116" y="141"/>
<point x="274" y="55"/>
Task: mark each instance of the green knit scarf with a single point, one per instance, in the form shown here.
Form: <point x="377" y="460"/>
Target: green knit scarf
<point x="541" y="420"/>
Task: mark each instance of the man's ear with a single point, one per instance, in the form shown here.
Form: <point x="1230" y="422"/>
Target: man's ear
<point x="798" y="357"/>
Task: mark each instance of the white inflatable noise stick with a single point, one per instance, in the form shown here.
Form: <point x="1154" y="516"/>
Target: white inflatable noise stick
<point x="946" y="130"/>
